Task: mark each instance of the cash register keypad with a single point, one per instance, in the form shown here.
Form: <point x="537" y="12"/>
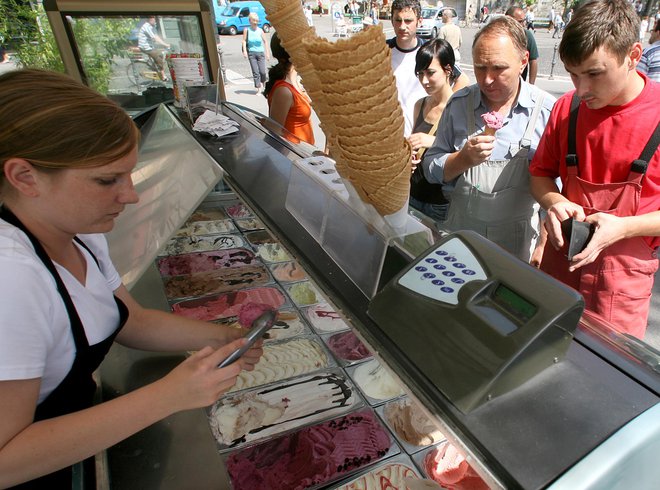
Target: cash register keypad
<point x="442" y="273"/>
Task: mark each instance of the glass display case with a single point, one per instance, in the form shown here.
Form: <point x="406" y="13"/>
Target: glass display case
<point x="541" y="434"/>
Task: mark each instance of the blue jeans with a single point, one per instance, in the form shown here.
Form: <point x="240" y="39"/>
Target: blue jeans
<point x="258" y="65"/>
<point x="437" y="212"/>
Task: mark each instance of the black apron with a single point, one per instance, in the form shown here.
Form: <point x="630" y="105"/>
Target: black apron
<point x="76" y="391"/>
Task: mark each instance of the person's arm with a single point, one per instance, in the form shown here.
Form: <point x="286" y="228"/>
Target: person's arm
<point x="31" y="449"/>
<point x="244" y="44"/>
<point x="155" y="330"/>
<point x="419" y="140"/>
<point x="266" y="47"/>
<point x="280" y="105"/>
<point x="533" y="70"/>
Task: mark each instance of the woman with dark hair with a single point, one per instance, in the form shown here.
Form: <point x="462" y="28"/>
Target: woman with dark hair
<point x="288" y="103"/>
<point x="440" y="76"/>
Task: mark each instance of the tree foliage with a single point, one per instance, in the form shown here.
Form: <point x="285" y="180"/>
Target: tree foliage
<point x="98" y="39"/>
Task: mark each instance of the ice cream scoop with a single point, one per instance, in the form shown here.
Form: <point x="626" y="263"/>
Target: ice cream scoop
<point x="493" y="121"/>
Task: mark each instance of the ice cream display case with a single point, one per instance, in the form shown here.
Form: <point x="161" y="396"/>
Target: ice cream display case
<point x="331" y="378"/>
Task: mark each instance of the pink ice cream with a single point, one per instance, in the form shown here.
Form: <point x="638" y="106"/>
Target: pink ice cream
<point x="312" y="456"/>
<point x="176" y="265"/>
<point x="450" y="469"/>
<point x="250" y="312"/>
<point x="227" y="305"/>
<point x="347" y="346"/>
<point x="493" y="121"/>
<point x="239" y="210"/>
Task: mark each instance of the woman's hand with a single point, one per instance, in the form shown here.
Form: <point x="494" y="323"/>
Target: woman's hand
<point x="420" y="140"/>
<point x="198" y="382"/>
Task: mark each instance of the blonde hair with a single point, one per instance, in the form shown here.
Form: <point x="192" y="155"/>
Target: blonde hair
<point x="55" y="122"/>
<point x="254" y="15"/>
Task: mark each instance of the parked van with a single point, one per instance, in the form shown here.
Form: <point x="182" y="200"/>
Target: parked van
<point x="233" y="18"/>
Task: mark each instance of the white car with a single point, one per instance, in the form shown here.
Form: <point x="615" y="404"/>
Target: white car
<point x="432" y="21"/>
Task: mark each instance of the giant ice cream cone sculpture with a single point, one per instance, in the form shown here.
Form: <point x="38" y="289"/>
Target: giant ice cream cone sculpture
<point x="353" y="91"/>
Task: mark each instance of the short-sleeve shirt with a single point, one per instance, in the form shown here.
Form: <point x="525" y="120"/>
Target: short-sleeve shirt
<point x="649" y="64"/>
<point x="607" y="141"/>
<point x="453" y="131"/>
<point x="37" y="341"/>
<point x="146" y="37"/>
<point x="409" y="88"/>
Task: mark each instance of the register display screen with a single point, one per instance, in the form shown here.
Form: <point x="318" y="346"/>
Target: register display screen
<point x="514" y="304"/>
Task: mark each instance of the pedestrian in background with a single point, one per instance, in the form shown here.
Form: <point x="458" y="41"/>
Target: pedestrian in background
<point x="308" y="15"/>
<point x="532" y="67"/>
<point x="147" y="40"/>
<point x="255" y="49"/>
<point x="558" y="23"/>
<point x="451" y="33"/>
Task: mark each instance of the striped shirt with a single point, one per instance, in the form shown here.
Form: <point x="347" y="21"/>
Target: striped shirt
<point x="649" y="64"/>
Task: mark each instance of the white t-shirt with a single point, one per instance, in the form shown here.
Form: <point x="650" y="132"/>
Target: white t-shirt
<point x="146" y="37"/>
<point x="407" y="83"/>
<point x="35" y="331"/>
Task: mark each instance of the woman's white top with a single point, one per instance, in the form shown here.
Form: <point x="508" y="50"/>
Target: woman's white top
<point x="35" y="332"/>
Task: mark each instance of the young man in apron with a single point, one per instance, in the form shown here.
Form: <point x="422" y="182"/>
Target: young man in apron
<point x="602" y="142"/>
<point x="490" y="174"/>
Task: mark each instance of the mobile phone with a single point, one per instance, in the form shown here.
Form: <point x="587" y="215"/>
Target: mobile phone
<point x="259" y="327"/>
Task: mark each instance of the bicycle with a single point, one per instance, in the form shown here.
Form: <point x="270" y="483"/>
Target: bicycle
<point x="142" y="70"/>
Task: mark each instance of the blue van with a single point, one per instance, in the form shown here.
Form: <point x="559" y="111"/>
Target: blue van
<point x="233" y="18"/>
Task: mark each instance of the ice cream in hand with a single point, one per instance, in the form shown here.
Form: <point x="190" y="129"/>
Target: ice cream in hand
<point x="493" y="121"/>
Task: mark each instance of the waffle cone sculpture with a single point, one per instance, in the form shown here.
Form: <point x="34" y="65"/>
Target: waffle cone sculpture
<point x="368" y="146"/>
<point x="353" y="92"/>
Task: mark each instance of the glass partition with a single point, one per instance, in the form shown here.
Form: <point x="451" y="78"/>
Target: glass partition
<point x="114" y="61"/>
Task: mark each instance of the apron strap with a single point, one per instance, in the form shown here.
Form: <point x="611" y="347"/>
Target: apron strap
<point x="571" y="157"/>
<point x="641" y="164"/>
<point x="79" y="337"/>
<point x="470" y="114"/>
<point x="526" y="141"/>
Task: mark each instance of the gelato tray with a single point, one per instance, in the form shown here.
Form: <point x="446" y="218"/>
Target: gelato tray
<point x="249" y="224"/>
<point x="253" y="415"/>
<point x="445" y="465"/>
<point x="216" y="281"/>
<point x="412" y="428"/>
<point x="239" y="210"/>
<point x="375" y="383"/>
<point x="284" y="360"/>
<point x="272" y="252"/>
<point x="324" y="319"/>
<point x="287" y="325"/>
<point x="393" y="474"/>
<point x="206" y="214"/>
<point x="304" y="293"/>
<point x="182" y="245"/>
<point x="312" y="456"/>
<point x="258" y="237"/>
<point x="192" y="263"/>
<point x="287" y="272"/>
<point x="347" y="348"/>
<point x="228" y="305"/>
<point x="218" y="227"/>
